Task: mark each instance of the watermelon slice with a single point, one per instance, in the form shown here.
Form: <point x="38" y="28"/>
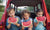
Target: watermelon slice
<point x="41" y="18"/>
<point x="12" y="20"/>
<point x="27" y="24"/>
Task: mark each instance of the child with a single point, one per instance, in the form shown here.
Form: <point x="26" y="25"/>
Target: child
<point x="26" y="18"/>
<point x="12" y="26"/>
<point x="39" y="25"/>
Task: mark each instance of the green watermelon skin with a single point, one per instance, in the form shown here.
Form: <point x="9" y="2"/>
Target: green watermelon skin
<point x="43" y="18"/>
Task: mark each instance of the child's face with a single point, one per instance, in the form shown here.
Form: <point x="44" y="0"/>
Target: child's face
<point x="26" y="15"/>
<point x="12" y="13"/>
<point x="40" y="14"/>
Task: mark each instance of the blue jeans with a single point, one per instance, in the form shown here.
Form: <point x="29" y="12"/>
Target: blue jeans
<point x="14" y="27"/>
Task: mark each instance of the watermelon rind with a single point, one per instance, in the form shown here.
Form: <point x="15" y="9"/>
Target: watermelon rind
<point x="39" y="20"/>
<point x="13" y="22"/>
<point x="28" y="25"/>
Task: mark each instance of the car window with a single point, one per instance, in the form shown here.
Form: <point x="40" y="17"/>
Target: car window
<point x="39" y="6"/>
<point x="29" y="8"/>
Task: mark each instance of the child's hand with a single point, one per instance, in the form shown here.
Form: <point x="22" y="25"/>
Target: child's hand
<point x="17" y="24"/>
<point x="44" y="23"/>
<point x="30" y="28"/>
<point x="22" y="27"/>
<point x="14" y="23"/>
<point x="9" y="22"/>
<point x="38" y="22"/>
<point x="9" y="25"/>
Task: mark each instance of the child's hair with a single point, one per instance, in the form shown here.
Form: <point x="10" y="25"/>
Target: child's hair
<point x="9" y="9"/>
<point x="25" y="11"/>
<point x="39" y="10"/>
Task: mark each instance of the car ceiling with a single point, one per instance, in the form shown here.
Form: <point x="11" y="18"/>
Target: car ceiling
<point x="25" y="2"/>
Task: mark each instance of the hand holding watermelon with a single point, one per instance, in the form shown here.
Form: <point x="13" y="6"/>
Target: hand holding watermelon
<point x="14" y="23"/>
<point x="44" y="23"/>
<point x="41" y="18"/>
<point x="12" y="20"/>
<point x="17" y="24"/>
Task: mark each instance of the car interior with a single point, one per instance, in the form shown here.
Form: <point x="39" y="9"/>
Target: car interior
<point x="31" y="5"/>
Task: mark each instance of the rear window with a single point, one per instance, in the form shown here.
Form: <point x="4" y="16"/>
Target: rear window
<point x="29" y="8"/>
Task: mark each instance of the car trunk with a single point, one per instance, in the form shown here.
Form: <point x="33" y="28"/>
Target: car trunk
<point x="21" y="3"/>
<point x="33" y="3"/>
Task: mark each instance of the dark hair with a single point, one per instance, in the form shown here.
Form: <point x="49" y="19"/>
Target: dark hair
<point x="9" y="9"/>
<point x="39" y="10"/>
<point x="25" y="11"/>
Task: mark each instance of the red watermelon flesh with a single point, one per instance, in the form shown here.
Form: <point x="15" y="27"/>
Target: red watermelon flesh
<point x="12" y="20"/>
<point x="41" y="18"/>
<point x="27" y="24"/>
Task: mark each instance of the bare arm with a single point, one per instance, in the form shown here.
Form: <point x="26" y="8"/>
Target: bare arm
<point x="22" y="28"/>
<point x="44" y="23"/>
<point x="35" y="24"/>
<point x="30" y="28"/>
<point x="9" y="26"/>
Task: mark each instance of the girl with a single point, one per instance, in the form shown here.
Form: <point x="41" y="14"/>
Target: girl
<point x="38" y="24"/>
<point x="26" y="18"/>
<point x="12" y="26"/>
